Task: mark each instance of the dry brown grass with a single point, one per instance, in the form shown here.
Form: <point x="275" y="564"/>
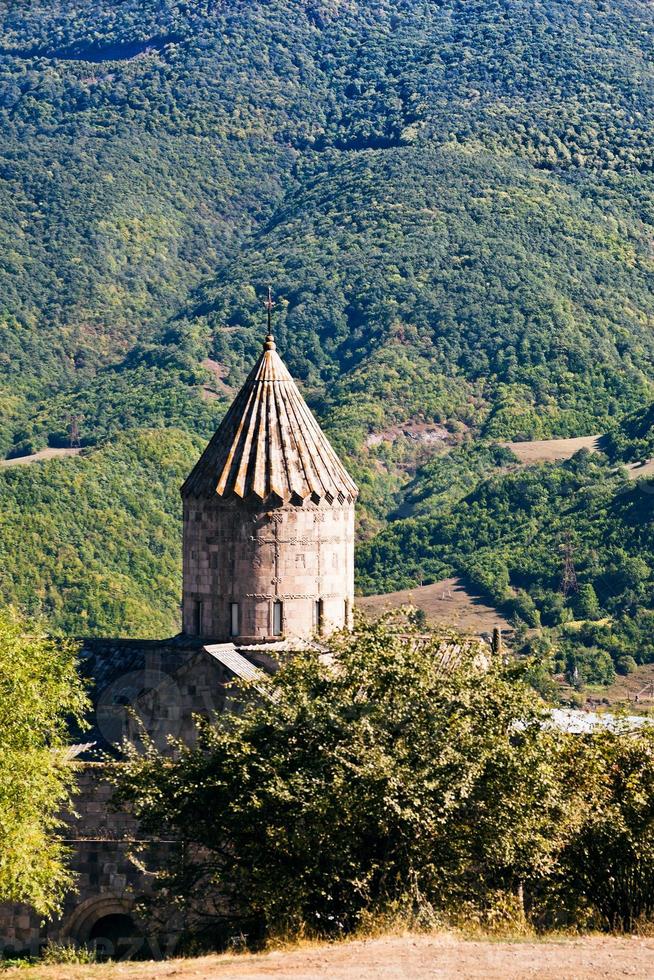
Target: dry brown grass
<point x="550" y="450"/>
<point x="408" y="956"/>
<point x="446" y="603"/>
<point x="553" y="450"/>
<point x="38" y="457"/>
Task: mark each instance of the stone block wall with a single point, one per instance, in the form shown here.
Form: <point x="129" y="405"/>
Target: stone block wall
<point x="107" y="879"/>
<point x="300" y="556"/>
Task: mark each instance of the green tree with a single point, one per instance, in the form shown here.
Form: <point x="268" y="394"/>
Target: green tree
<point x="397" y="775"/>
<point x="522" y="606"/>
<point x="588" y="664"/>
<point x="626" y="665"/>
<point x="608" y="865"/>
<point x="554" y="610"/>
<point x="40" y="693"/>
<point x="587" y="604"/>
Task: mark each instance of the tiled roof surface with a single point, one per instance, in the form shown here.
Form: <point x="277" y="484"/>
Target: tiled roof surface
<point x="229" y="657"/>
<point x="269" y="444"/>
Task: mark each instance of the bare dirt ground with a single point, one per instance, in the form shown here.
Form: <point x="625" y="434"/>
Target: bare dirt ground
<point x="550" y="450"/>
<point x="639" y="470"/>
<point x="634" y="691"/>
<point x="446" y="603"/>
<point x="218" y="388"/>
<point x="429" y="433"/>
<point x="38" y="457"/>
<point x="397" y="958"/>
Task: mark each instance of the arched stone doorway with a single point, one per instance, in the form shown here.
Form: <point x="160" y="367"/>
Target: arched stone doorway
<point x="107" y="923"/>
<point x="117" y="937"/>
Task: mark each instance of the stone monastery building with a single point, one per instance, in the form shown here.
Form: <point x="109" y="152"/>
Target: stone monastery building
<point x="268" y="520"/>
<point x="268" y="543"/>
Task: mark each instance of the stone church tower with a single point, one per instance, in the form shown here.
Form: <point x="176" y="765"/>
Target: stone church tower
<point x="268" y="555"/>
<point x="268" y="520"/>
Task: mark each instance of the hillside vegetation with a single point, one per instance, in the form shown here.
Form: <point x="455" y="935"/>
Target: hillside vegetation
<point x="508" y="537"/>
<point x="95" y="541"/>
<point x="454" y="202"/>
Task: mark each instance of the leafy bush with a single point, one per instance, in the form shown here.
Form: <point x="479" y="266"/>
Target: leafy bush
<point x="522" y="607"/>
<point x="591" y="665"/>
<point x="39" y="693"/>
<point x="607" y="866"/>
<point x="404" y="776"/>
<point x="403" y="773"/>
<point x="632" y="439"/>
<point x="67" y="953"/>
<point x="625" y="665"/>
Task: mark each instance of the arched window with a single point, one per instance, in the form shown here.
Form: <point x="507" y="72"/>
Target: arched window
<point x="318" y="615"/>
<point x="277" y="617"/>
<point x="233" y="619"/>
<point x="198" y="613"/>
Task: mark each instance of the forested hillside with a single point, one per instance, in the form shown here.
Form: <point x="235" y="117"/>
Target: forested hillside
<point x="509" y="537"/>
<point x="95" y="541"/>
<point x="460" y="192"/>
<point x="453" y="200"/>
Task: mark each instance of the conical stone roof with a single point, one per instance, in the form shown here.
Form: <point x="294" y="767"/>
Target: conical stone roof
<point x="270" y="443"/>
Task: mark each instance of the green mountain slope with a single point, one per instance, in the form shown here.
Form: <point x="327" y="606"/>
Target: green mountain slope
<point x="508" y="537"/>
<point x="454" y="201"/>
<point x="511" y="294"/>
<point x="464" y="186"/>
<point x="95" y="541"/>
<point x="632" y="439"/>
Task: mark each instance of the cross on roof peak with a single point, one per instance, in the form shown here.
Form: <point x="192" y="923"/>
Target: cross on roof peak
<point x="269" y="304"/>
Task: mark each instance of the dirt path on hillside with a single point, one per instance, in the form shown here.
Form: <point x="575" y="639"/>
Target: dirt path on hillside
<point x="38" y="457"/>
<point x="397" y="958"/>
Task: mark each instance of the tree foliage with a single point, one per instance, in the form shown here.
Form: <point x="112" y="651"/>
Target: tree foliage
<point x="453" y="201"/>
<point x="632" y="439"/>
<point x="95" y="541"/>
<point x="607" y="866"/>
<point x="40" y="693"/>
<point x="406" y="774"/>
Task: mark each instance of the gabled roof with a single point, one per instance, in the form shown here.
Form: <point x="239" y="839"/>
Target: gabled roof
<point x="228" y="656"/>
<point x="270" y="443"/>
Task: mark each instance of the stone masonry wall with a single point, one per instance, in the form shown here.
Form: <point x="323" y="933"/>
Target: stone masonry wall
<point x="239" y="553"/>
<point x="166" y="685"/>
<point x="107" y="880"/>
